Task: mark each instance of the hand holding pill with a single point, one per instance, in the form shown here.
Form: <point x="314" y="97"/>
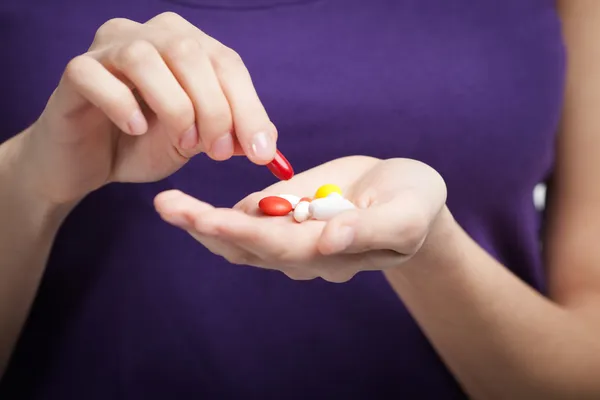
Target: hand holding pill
<point x="139" y="104"/>
<point x="333" y="221"/>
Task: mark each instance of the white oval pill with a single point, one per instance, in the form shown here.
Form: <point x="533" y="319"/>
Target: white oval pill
<point x="293" y="199"/>
<point x="302" y="212"/>
<point x="328" y="207"/>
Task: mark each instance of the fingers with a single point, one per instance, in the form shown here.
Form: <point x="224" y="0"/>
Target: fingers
<point x="142" y="64"/>
<point x="113" y="30"/>
<point x="230" y="252"/>
<point x="193" y="69"/>
<point x="98" y="86"/>
<point x="246" y="240"/>
<point x="215" y="111"/>
<point x="179" y="208"/>
<point x="199" y="90"/>
<point x="253" y="128"/>
<point x="299" y="274"/>
<point x="265" y="237"/>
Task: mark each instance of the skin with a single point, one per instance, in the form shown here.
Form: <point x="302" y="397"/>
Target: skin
<point x="500" y="338"/>
<point x="191" y="94"/>
<point x="244" y="235"/>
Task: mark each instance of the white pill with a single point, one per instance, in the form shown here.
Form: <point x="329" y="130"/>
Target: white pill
<point x="302" y="212"/>
<point x="328" y="207"/>
<point x="293" y="199"/>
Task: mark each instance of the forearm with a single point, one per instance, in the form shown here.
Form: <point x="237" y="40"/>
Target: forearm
<point x="499" y="337"/>
<point x="27" y="230"/>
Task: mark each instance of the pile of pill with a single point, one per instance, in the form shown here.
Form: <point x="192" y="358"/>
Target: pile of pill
<point x="326" y="203"/>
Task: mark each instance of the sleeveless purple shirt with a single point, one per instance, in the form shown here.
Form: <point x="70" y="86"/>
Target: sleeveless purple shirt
<point x="132" y="308"/>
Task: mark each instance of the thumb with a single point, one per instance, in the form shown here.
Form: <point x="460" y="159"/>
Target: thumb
<point x="395" y="225"/>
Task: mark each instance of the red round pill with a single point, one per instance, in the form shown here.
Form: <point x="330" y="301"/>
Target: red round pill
<point x="281" y="167"/>
<point x="275" y="206"/>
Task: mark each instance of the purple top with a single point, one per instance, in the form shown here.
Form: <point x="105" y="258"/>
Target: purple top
<point x="132" y="308"/>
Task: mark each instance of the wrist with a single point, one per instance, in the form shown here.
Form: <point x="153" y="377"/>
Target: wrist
<point x="444" y="234"/>
<point x="442" y="247"/>
<point x="20" y="190"/>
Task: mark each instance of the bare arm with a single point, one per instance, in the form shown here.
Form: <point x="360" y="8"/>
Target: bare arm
<point x="501" y="339"/>
<point x="27" y="230"/>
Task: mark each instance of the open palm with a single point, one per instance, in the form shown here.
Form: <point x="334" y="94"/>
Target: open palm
<point x="397" y="201"/>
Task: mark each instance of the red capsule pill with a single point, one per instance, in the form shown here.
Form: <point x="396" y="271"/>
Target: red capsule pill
<point x="275" y="206"/>
<point x="281" y="167"/>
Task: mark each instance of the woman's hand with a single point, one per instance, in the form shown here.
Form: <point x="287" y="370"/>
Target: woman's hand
<point x="398" y="200"/>
<point x="142" y="101"/>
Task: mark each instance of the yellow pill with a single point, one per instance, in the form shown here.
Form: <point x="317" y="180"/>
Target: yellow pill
<point x="326" y="190"/>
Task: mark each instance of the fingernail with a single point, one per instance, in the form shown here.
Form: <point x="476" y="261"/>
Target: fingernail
<point x="263" y="146"/>
<point x="343" y="239"/>
<point x="222" y="148"/>
<point x="137" y="123"/>
<point x="189" y="139"/>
